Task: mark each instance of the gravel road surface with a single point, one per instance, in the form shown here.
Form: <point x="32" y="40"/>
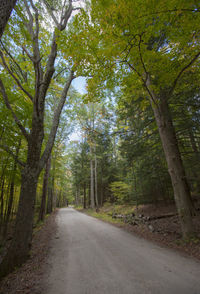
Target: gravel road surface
<point x="89" y="256"/>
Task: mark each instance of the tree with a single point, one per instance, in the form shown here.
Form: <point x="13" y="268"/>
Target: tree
<point x="6" y="7"/>
<point x="35" y="88"/>
<point x="151" y="56"/>
<point x="142" y="159"/>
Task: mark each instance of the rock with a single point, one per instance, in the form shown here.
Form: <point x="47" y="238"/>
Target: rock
<point x="151" y="228"/>
<point x="133" y="223"/>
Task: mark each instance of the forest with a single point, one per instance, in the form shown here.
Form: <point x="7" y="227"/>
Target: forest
<point x="132" y="137"/>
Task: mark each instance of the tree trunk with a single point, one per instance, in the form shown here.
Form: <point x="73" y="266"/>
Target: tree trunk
<point x="49" y="201"/>
<point x="91" y="181"/>
<point x="101" y="188"/>
<point x="2" y="203"/>
<point x="55" y="197"/>
<point x="6" y="7"/>
<point x="175" y="166"/>
<point x="9" y="208"/>
<point x="18" y="251"/>
<point x="19" y="248"/>
<point x="84" y="195"/>
<point x="95" y="177"/>
<point x="44" y="191"/>
<point x="21" y="242"/>
<point x="12" y="186"/>
<point x="50" y="192"/>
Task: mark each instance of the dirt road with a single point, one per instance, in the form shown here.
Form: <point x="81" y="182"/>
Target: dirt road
<point x="89" y="256"/>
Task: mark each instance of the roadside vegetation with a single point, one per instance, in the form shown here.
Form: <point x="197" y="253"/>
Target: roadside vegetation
<point x="136" y="124"/>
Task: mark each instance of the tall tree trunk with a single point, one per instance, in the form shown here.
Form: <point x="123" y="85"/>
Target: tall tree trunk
<point x="9" y="207"/>
<point x="18" y="251"/>
<point x="2" y="182"/>
<point x="101" y="187"/>
<point x="95" y="177"/>
<point x="20" y="245"/>
<point x="44" y="191"/>
<point x="6" y="7"/>
<point x="2" y="203"/>
<point x="84" y="196"/>
<point x="175" y="166"/>
<point x="55" y="197"/>
<point x="91" y="181"/>
<point x="49" y="201"/>
<point x="19" y="248"/>
<point x="12" y="186"/>
<point x="135" y="187"/>
<point x="197" y="156"/>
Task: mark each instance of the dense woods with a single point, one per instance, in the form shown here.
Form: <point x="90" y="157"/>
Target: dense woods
<point x="132" y="138"/>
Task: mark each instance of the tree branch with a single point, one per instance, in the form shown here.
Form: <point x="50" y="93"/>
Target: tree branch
<point x="14" y="77"/>
<point x="5" y="97"/>
<point x="55" y="123"/>
<point x="66" y="16"/>
<point x="52" y="56"/>
<point x="7" y="149"/>
<point x="49" y="8"/>
<point x="140" y="53"/>
<point x="171" y="10"/>
<point x="15" y="62"/>
<point x="55" y="76"/>
<point x="30" y="17"/>
<point x="28" y="54"/>
<point x="181" y="72"/>
<point x="146" y="83"/>
<point x="49" y="69"/>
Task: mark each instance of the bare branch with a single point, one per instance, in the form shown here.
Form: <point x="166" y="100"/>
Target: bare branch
<point x="7" y="149"/>
<point x="15" y="62"/>
<point x="28" y="54"/>
<point x="55" y="76"/>
<point x="55" y="123"/>
<point x="5" y="97"/>
<point x="14" y="77"/>
<point x="181" y="72"/>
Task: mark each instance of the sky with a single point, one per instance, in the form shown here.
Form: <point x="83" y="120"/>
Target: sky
<point x="79" y="84"/>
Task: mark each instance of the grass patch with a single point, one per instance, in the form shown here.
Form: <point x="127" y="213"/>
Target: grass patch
<point x="105" y="213"/>
<point x="102" y="215"/>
